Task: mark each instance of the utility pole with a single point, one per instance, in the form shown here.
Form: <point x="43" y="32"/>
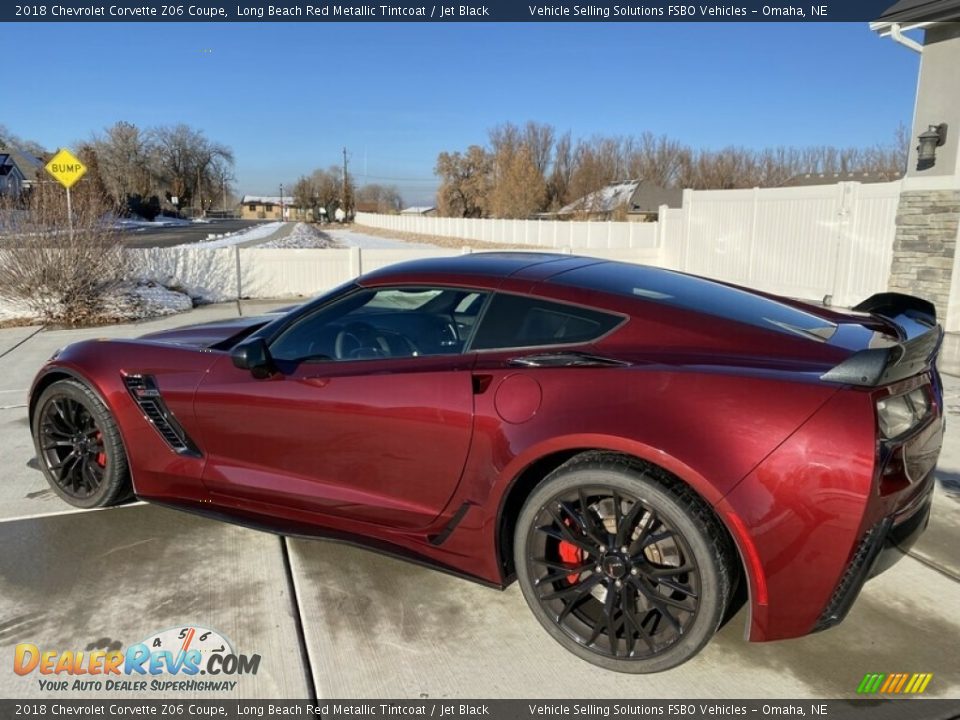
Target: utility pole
<point x="343" y="188"/>
<point x="281" y="202"/>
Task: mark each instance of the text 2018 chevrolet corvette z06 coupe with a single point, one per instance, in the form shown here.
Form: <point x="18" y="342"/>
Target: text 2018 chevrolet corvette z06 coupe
<point x="643" y="450"/>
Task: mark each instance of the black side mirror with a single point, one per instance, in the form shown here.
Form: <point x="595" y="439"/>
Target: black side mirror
<point x="253" y="355"/>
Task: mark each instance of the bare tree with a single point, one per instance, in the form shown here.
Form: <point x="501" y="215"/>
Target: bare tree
<point x="385" y="198"/>
<point x="558" y="184"/>
<point x="188" y="164"/>
<point x="465" y="182"/>
<point x="125" y="157"/>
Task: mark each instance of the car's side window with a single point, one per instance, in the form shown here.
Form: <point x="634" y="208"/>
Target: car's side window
<point x="383" y="323"/>
<point x="518" y="321"/>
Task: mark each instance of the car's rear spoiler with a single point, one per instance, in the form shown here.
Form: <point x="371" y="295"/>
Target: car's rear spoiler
<point x="917" y="319"/>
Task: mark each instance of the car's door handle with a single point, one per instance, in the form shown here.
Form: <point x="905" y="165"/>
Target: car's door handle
<point x="316" y="381"/>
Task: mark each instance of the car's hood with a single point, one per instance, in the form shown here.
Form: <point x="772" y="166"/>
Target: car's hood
<point x="221" y="332"/>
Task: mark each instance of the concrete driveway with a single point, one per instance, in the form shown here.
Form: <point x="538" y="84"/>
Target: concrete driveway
<point x="333" y="621"/>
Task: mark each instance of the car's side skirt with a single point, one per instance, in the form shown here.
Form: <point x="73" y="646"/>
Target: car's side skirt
<point x="303" y="531"/>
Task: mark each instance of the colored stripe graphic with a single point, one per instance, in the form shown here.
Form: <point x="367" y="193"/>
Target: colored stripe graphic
<point x="894" y="683"/>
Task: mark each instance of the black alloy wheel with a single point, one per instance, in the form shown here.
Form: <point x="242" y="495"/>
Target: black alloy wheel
<point x="625" y="572"/>
<point x="79" y="446"/>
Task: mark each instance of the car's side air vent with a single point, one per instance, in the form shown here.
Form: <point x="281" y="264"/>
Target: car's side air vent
<point x="144" y="391"/>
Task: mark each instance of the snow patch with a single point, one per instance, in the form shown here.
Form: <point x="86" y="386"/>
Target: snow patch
<point x="126" y="301"/>
<point x="231" y="239"/>
<point x="302" y="236"/>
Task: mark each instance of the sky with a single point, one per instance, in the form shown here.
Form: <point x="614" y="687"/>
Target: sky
<point x="286" y="97"/>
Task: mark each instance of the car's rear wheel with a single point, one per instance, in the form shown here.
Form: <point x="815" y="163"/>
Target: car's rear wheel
<point x="624" y="565"/>
<point x="79" y="446"/>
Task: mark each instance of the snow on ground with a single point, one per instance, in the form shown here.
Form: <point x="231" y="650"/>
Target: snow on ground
<point x="302" y="236"/>
<point x="9" y="311"/>
<point x="158" y="222"/>
<point x="349" y="238"/>
<point x="231" y="239"/>
<point x="144" y="299"/>
<point x="135" y="300"/>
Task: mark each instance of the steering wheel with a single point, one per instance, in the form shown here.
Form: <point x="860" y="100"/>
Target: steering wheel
<point x="355" y="337"/>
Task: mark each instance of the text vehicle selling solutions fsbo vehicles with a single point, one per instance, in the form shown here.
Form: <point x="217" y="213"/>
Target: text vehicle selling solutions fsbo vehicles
<point x="642" y="450"/>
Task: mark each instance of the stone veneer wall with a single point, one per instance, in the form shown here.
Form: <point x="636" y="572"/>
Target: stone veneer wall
<point x="924" y="245"/>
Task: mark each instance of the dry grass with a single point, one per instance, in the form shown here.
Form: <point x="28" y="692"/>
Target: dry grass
<point x="439" y="240"/>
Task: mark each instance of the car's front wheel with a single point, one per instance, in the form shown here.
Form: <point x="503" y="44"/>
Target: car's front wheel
<point x="623" y="565"/>
<point x="79" y="446"/>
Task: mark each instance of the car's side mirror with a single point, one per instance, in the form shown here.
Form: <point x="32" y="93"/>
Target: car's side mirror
<point x="253" y="355"/>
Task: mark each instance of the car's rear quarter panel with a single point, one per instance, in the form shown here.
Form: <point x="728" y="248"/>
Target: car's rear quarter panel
<point x="708" y="428"/>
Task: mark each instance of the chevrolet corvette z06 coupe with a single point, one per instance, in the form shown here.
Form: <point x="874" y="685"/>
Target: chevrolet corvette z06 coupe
<point x="643" y="450"/>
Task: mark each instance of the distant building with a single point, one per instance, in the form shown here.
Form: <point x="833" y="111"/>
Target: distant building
<point x="830" y="178"/>
<point x="18" y="171"/>
<point x="632" y="200"/>
<point x="421" y="210"/>
<point x="11" y="178"/>
<point x="267" y="207"/>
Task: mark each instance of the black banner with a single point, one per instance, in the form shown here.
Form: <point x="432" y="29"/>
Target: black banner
<point x="618" y="11"/>
<point x="915" y="709"/>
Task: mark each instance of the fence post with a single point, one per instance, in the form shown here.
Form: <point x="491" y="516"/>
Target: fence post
<point x="687" y="223"/>
<point x="751" y="253"/>
<point x="236" y="254"/>
<point x="356" y="265"/>
<point x="662" y="232"/>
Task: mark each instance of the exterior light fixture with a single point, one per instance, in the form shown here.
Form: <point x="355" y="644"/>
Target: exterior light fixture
<point x="930" y="140"/>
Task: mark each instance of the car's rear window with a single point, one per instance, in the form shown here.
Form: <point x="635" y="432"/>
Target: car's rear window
<point x="694" y="293"/>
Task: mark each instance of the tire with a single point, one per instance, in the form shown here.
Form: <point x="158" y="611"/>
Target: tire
<point x="583" y="568"/>
<point x="79" y="447"/>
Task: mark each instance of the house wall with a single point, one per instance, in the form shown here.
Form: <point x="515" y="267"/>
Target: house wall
<point x="260" y="212"/>
<point x="11" y="183"/>
<point x="925" y="260"/>
<point x="938" y="99"/>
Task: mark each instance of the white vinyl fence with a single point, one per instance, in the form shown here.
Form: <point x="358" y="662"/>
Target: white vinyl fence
<point x="816" y="242"/>
<point x="544" y="234"/>
<point x="824" y="241"/>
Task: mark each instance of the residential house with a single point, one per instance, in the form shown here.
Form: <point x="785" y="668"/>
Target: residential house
<point x="11" y="177"/>
<point x="421" y="210"/>
<point x="807" y="179"/>
<point x="18" y="171"/>
<point x="267" y="207"/>
<point x="632" y="200"/>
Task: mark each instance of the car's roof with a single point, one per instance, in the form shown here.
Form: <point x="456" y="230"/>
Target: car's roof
<point x="487" y="268"/>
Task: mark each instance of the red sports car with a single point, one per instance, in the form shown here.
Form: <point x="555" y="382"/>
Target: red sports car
<point x="643" y="450"/>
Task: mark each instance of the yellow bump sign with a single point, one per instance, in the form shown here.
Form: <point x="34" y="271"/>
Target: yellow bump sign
<point x="66" y="168"/>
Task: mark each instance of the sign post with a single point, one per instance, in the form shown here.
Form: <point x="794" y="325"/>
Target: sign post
<point x="67" y="169"/>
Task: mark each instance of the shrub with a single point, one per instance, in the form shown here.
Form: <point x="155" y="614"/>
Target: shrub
<point x="57" y="275"/>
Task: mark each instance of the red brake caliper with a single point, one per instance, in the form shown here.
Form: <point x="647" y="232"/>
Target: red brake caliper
<point x="571" y="555"/>
<point x="101" y="456"/>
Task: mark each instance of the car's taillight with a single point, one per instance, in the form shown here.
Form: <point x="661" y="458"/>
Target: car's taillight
<point x="898" y="414"/>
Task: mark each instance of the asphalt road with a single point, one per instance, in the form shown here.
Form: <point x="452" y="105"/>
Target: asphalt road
<point x="170" y="236"/>
<point x="330" y="621"/>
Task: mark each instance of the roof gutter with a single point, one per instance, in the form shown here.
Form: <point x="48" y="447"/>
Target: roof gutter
<point x="896" y="32"/>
